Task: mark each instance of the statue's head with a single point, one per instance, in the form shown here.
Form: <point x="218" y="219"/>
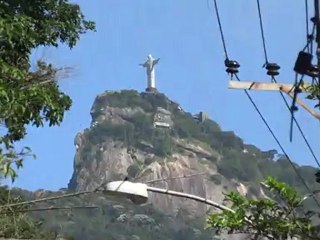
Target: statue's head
<point x="149" y="57"/>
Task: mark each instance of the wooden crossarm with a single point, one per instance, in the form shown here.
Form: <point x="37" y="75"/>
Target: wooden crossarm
<point x="301" y="103"/>
<point x="262" y="86"/>
<point x="284" y="87"/>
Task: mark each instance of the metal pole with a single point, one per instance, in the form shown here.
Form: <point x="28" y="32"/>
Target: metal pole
<point x="317" y="22"/>
<point x="189" y="196"/>
<point x="316" y="15"/>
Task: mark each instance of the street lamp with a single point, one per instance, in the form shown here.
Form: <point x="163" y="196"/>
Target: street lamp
<point x="138" y="193"/>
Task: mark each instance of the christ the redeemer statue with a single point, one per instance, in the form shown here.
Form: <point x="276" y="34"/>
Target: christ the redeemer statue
<point x="149" y="65"/>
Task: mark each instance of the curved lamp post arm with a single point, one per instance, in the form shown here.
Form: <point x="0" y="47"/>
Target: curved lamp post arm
<point x="138" y="193"/>
<point x="309" y="196"/>
<point x="189" y="196"/>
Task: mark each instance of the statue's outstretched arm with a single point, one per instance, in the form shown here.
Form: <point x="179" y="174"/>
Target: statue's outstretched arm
<point x="143" y="64"/>
<point x="155" y="62"/>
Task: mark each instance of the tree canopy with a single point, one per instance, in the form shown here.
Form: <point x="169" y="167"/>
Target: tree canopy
<point x="32" y="97"/>
<point x="276" y="217"/>
<point x="27" y="96"/>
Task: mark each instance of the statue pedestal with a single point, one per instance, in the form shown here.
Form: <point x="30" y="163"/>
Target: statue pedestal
<point x="151" y="90"/>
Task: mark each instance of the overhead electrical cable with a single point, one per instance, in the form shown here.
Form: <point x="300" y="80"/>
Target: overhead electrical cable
<point x="262" y="117"/>
<point x="262" y="33"/>
<point x="307" y="21"/>
<point x="221" y="31"/>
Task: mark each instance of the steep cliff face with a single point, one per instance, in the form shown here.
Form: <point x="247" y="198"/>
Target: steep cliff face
<point x="124" y="141"/>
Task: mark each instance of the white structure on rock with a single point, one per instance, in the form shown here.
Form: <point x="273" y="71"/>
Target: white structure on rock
<point x="150" y="66"/>
<point x="162" y="118"/>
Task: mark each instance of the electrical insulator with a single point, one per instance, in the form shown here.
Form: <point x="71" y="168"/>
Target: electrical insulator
<point x="313" y="71"/>
<point x="303" y="63"/>
<point x="294" y="108"/>
<point x="232" y="66"/>
<point x="272" y="69"/>
<point x="317" y="176"/>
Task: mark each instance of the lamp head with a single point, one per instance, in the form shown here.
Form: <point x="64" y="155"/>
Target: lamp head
<point x="136" y="192"/>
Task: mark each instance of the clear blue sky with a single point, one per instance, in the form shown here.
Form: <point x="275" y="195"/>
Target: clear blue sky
<point x="184" y="34"/>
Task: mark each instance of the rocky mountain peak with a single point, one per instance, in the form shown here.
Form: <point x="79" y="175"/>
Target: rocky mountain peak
<point x="150" y="138"/>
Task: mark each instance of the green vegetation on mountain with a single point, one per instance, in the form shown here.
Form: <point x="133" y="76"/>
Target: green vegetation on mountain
<point x="112" y="220"/>
<point x="140" y="126"/>
<point x="15" y="223"/>
<point x="239" y="160"/>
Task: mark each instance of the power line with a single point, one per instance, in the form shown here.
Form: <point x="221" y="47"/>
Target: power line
<point x="48" y="209"/>
<point x="221" y="31"/>
<point x="175" y="178"/>
<point x="262" y="33"/>
<point x="307" y="20"/>
<point x="263" y="118"/>
<point x="48" y="199"/>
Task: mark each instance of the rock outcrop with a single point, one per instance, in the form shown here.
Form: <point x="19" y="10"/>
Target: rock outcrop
<point x="190" y="168"/>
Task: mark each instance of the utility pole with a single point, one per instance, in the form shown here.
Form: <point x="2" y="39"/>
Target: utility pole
<point x="317" y="22"/>
<point x="303" y="67"/>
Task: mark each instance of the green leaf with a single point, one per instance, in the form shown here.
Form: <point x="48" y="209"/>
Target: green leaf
<point x="19" y="163"/>
<point x="6" y="167"/>
<point x="12" y="174"/>
<point x="28" y="149"/>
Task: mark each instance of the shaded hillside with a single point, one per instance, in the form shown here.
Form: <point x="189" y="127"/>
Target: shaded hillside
<point x="113" y="219"/>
